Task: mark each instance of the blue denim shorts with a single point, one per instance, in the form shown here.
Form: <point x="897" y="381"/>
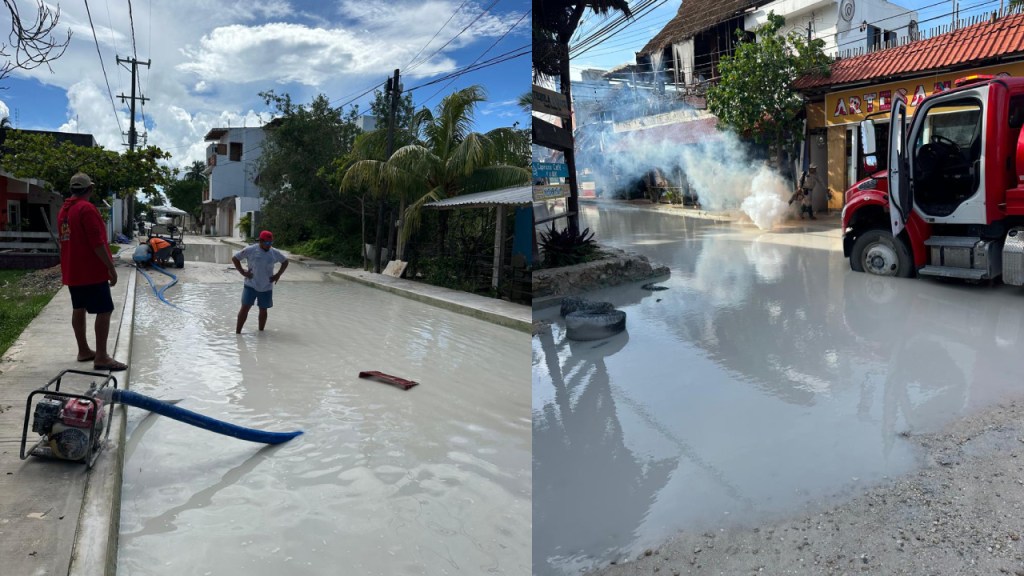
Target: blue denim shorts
<point x="250" y="296"/>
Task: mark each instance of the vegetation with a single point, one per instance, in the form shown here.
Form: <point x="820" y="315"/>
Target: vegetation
<point x="755" y="95"/>
<point x="32" y="43"/>
<point x="21" y="300"/>
<point x="447" y="159"/>
<point x="186" y="193"/>
<point x="297" y="177"/>
<point x="566" y="247"/>
<point x="28" y="155"/>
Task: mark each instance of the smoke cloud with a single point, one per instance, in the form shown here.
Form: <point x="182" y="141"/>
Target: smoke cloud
<point x="716" y="166"/>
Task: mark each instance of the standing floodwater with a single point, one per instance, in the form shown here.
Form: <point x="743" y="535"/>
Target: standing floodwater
<point x="766" y="377"/>
<point x="434" y="480"/>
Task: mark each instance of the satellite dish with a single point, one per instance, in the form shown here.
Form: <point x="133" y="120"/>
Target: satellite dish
<point x="847" y="8"/>
<point x="912" y="30"/>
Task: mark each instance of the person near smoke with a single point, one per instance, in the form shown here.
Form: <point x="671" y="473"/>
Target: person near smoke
<point x="808" y="181"/>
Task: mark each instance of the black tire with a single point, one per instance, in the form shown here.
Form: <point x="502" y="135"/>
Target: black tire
<point x="179" y="258"/>
<point x="572" y="304"/>
<point x="877" y="252"/>
<point x="594" y="325"/>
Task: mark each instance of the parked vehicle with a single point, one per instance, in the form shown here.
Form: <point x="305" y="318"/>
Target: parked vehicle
<point x="951" y="203"/>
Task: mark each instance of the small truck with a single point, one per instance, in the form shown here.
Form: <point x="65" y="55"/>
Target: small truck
<point x="951" y="202"/>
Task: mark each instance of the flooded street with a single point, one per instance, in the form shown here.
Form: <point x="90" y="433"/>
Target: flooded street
<point x="433" y="480"/>
<point x="767" y="376"/>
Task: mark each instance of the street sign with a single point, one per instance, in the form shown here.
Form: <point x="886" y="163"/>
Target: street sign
<point x="550" y="192"/>
<point x="550" y="102"/>
<point x="550" y="136"/>
<point x="550" y="170"/>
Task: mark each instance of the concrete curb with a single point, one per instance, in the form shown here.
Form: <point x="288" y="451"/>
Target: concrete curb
<point x="450" y="304"/>
<point x="94" y="551"/>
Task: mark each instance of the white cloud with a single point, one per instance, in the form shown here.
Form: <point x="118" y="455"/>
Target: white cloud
<point x="5" y="112"/>
<point x="210" y="60"/>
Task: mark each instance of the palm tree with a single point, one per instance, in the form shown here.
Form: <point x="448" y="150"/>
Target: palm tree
<point x="443" y="159"/>
<point x="525" y="102"/>
<point x="196" y="171"/>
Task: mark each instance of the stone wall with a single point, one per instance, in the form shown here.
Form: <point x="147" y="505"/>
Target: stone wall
<point x="618" y="267"/>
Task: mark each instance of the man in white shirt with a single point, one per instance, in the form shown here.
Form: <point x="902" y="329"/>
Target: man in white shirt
<point x="259" y="277"/>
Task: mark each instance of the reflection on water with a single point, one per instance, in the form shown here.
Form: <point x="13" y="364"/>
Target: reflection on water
<point x="768" y="376"/>
<point x="216" y="253"/>
<point x="430" y="481"/>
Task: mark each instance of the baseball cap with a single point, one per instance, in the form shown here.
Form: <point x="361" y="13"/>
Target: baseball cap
<point x="266" y="236"/>
<point x="80" y="181"/>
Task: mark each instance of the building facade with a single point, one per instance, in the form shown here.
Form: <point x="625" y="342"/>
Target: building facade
<point x="231" y="169"/>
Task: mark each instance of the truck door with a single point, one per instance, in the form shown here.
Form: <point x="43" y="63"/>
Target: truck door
<point x="899" y="184"/>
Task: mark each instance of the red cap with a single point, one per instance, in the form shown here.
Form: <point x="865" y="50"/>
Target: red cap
<point x="266" y="236"/>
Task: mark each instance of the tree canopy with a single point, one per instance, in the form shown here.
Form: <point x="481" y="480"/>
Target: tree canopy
<point x="755" y="95"/>
<point x="35" y="155"/>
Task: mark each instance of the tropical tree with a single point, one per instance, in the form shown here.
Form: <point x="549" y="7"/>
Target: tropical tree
<point x="29" y="155"/>
<point x="525" y="102"/>
<point x="186" y="194"/>
<point x="755" y="94"/>
<point x="297" y="178"/>
<point x="449" y="159"/>
<point x="196" y="171"/>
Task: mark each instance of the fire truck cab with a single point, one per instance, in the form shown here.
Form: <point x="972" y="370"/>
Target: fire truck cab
<point x="951" y="203"/>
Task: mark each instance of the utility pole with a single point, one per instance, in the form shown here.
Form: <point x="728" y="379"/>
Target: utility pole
<point x="393" y="90"/>
<point x="132" y="135"/>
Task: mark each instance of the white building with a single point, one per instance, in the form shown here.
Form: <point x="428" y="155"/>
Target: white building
<point x="684" y="55"/>
<point x="231" y="163"/>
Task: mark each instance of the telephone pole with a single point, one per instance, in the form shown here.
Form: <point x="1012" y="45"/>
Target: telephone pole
<point x="132" y="135"/>
<point x="393" y="90"/>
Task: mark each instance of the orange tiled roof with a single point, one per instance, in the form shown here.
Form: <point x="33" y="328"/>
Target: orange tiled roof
<point x="972" y="44"/>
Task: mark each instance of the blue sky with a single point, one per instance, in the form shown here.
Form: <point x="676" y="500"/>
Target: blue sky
<point x="622" y="47"/>
<point x="211" y="59"/>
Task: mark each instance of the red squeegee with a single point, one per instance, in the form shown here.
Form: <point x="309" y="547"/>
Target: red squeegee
<point x="389" y="379"/>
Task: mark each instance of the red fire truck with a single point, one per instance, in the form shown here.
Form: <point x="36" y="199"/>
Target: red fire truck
<point x="951" y="203"/>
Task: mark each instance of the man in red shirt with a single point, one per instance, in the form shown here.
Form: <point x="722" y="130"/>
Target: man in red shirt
<point x="87" y="268"/>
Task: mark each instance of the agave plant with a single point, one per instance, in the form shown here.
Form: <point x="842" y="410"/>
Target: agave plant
<point x="563" y="248"/>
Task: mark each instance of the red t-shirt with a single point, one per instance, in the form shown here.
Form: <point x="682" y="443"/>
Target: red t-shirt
<point x="81" y="231"/>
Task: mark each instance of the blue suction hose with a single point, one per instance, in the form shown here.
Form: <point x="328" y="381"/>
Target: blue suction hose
<point x="189" y="417"/>
<point x="160" y="293"/>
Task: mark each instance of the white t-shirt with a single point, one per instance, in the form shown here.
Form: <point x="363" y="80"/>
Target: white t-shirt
<point x="261" y="263"/>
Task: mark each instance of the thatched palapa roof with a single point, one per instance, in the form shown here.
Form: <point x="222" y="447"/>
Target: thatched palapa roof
<point x="695" y="16"/>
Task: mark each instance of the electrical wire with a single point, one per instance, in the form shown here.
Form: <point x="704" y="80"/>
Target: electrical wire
<point x="482" y="54"/>
<point x="504" y="57"/>
<point x="452" y="39"/>
<point x="408" y="66"/>
<point x="104" y="68"/>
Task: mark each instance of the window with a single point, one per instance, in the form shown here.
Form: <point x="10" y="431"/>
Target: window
<point x="236" y="152"/>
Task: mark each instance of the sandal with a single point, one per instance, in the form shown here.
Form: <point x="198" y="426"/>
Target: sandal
<point x="113" y="366"/>
<point x="87" y="358"/>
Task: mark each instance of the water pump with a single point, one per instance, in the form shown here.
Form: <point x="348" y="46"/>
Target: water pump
<point x="70" y="426"/>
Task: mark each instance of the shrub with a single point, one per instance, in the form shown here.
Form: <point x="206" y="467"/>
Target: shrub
<point x="563" y="248"/>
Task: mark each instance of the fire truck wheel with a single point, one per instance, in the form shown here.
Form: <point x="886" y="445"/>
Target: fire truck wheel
<point x="877" y="252"/>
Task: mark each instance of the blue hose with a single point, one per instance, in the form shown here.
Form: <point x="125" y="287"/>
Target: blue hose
<point x="160" y="293"/>
<point x="204" y="422"/>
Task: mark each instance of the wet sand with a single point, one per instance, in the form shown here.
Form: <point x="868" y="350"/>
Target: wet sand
<point x="960" y="514"/>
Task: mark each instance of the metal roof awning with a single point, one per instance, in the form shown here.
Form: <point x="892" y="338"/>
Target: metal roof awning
<point x="517" y="196"/>
<point x="169" y="210"/>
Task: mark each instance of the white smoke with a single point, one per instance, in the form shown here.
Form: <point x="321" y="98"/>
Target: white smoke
<point x="718" y="168"/>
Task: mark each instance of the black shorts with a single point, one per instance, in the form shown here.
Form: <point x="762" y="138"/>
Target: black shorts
<point x="95" y="298"/>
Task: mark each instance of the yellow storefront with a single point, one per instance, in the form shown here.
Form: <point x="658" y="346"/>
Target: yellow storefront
<point x="833" y="124"/>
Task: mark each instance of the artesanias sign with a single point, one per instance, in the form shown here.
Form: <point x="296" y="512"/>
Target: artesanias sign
<point x="852" y="106"/>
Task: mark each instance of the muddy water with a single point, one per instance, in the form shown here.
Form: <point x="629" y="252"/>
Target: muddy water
<point x="767" y="377"/>
<point x="434" y="480"/>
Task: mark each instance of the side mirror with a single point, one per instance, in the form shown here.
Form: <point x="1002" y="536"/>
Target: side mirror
<point x="870" y="163"/>
<point x="867" y="137"/>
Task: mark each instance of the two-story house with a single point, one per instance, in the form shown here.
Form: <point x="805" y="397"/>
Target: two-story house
<point x="231" y="164"/>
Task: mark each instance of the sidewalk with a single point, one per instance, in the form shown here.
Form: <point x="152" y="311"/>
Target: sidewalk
<point x="56" y="517"/>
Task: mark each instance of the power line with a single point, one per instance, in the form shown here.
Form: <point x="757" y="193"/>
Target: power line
<point x="482" y="54"/>
<point x="409" y="65"/>
<point x="104" y="68"/>
<point x="619" y="24"/>
<point x="452" y="39"/>
<point x="511" y="54"/>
